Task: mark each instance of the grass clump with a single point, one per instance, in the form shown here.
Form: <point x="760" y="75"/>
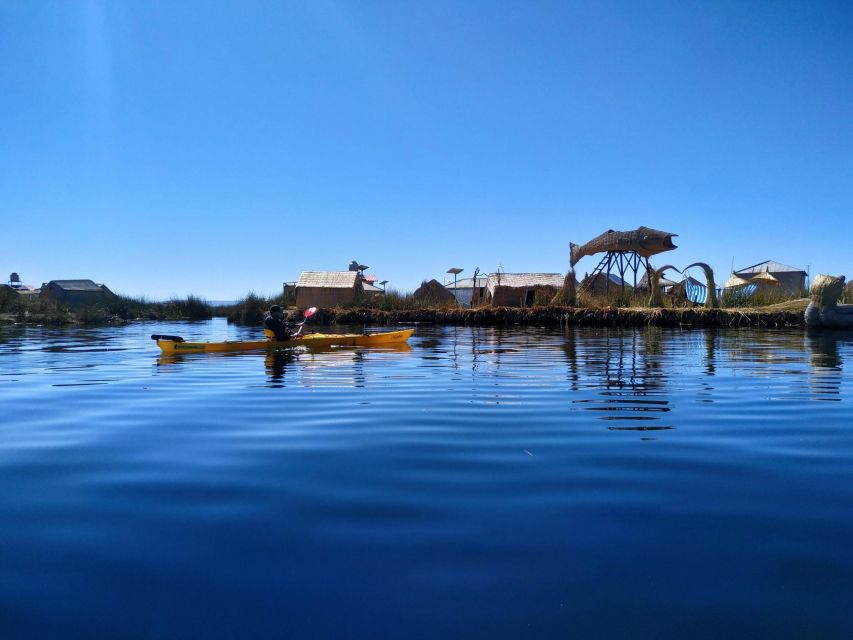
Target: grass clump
<point x="251" y="309"/>
<point x="139" y="308"/>
<point x="132" y="308"/>
<point x="394" y="300"/>
<point x="735" y="298"/>
<point x="189" y="308"/>
<point x="615" y="298"/>
<point x="16" y="307"/>
<point x="797" y="304"/>
<point x="391" y="300"/>
<point x="542" y="297"/>
<point x="763" y="297"/>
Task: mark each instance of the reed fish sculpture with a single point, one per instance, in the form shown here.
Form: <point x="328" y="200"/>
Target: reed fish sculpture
<point x="644" y="241"/>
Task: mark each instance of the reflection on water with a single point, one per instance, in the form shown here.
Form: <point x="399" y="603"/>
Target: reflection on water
<point x="276" y="363"/>
<point x="478" y="482"/>
<point x="625" y="371"/>
<point x="824" y="348"/>
<point x="826" y="362"/>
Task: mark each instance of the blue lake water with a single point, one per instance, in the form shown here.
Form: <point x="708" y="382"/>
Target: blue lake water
<point x="483" y="483"/>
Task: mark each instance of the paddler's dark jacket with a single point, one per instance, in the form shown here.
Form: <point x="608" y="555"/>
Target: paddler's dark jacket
<point x="277" y="326"/>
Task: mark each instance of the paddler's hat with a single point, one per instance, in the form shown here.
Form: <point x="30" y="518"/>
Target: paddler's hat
<point x="275" y="309"/>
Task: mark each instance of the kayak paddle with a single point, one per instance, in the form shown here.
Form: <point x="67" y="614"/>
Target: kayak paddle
<point x="310" y="311"/>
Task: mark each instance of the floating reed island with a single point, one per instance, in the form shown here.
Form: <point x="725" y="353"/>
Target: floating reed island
<point x="604" y="297"/>
<point x="592" y="311"/>
<point x="251" y="312"/>
<point x="395" y="309"/>
<point x="570" y="316"/>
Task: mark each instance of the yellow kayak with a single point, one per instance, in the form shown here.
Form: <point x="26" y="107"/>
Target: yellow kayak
<point x="176" y="344"/>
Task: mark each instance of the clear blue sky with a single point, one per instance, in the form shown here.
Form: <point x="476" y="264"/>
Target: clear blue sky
<point x="216" y="147"/>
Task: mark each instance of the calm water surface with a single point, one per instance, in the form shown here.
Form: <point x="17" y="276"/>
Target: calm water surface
<point x="481" y="483"/>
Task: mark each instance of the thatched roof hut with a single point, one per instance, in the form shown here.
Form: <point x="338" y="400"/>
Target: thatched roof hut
<point x="598" y="284"/>
<point x="327" y="289"/>
<point x="766" y="279"/>
<point x="663" y="282"/>
<point x="433" y="292"/>
<point x="521" y="289"/>
<point x="735" y="282"/>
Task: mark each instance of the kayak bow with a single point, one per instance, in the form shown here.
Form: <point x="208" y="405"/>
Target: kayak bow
<point x="175" y="344"/>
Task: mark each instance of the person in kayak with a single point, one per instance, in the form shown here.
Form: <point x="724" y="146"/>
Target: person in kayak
<point x="274" y="324"/>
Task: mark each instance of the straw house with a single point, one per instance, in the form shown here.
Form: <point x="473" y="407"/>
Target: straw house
<point x="765" y="279"/>
<point x="433" y="292"/>
<point x="643" y="283"/>
<point x="76" y="292"/>
<point x="791" y="280"/>
<point x="735" y="282"/>
<point x="598" y="284"/>
<point x="327" y="288"/>
<point x="521" y="289"/>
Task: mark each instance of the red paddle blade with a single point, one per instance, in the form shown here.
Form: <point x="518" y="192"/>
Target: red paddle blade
<point x="310" y="312"/>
